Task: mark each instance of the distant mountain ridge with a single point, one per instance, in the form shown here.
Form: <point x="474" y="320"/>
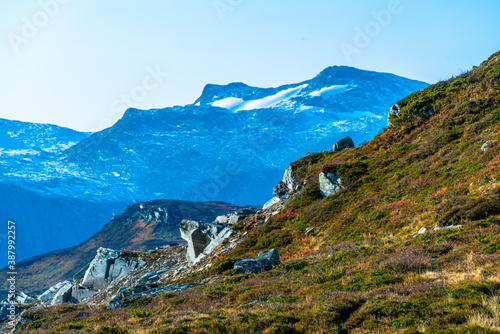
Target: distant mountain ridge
<point x="229" y="145"/>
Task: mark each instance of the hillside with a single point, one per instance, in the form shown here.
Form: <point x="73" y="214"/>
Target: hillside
<point x="234" y="141"/>
<point x="410" y="244"/>
<point x="142" y="226"/>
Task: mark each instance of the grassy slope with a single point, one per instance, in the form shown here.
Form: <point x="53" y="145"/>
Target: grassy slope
<point x="124" y="232"/>
<point x="359" y="270"/>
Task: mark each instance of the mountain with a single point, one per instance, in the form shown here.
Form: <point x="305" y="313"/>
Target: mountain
<point x="141" y="226"/>
<point x="234" y="141"/>
<point x="398" y="235"/>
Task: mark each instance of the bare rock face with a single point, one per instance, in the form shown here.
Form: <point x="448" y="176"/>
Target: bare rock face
<point x="343" y="144"/>
<point x="109" y="265"/>
<point x="63" y="294"/>
<point x="288" y="184"/>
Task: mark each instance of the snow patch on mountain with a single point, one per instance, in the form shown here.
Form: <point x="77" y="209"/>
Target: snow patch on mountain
<point x="327" y="92"/>
<point x="237" y="104"/>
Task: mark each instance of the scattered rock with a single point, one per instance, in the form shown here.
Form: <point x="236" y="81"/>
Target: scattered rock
<point x="107" y="266"/>
<point x="329" y="184"/>
<point x="343" y="144"/>
<point x="422" y="230"/>
<point x="151" y="277"/>
<point x="126" y="295"/>
<point x="51" y="292"/>
<point x="487" y="145"/>
<point x="22" y="298"/>
<point x="79" y="293"/>
<point x="63" y="294"/>
<point x="263" y="262"/>
<point x="271" y="202"/>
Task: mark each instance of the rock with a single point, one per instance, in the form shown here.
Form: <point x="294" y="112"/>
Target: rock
<point x="125" y="295"/>
<point x="280" y="190"/>
<point x="422" y="230"/>
<point x="79" y="293"/>
<point x="63" y="294"/>
<point x="270" y="203"/>
<point x="51" y="292"/>
<point x="343" y="144"/>
<point x="329" y="184"/>
<point x="198" y="237"/>
<point x="290" y="179"/>
<point x="263" y="262"/>
<point x="487" y="145"/>
<point x="287" y="185"/>
<point x="22" y="298"/>
<point x="151" y="277"/>
<point x="395" y="110"/>
<point x="272" y="256"/>
<point x="81" y="274"/>
<point x="108" y="265"/>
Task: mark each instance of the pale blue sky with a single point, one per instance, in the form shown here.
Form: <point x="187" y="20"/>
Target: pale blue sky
<point x="86" y="56"/>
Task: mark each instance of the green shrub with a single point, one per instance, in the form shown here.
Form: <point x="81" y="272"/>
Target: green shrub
<point x="141" y="313"/>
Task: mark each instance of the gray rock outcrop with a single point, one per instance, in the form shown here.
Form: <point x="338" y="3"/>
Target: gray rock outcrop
<point x="288" y="184"/>
<point x="79" y="293"/>
<point x="22" y="298"/>
<point x="270" y="203"/>
<point x="343" y="144"/>
<point x="125" y="295"/>
<point x="109" y="265"/>
<point x="49" y="294"/>
<point x="395" y="110"/>
<point x="329" y="184"/>
<point x="199" y="236"/>
<point x="63" y="294"/>
<point x="263" y="262"/>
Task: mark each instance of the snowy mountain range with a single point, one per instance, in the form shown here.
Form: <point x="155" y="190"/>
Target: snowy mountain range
<point x="231" y="145"/>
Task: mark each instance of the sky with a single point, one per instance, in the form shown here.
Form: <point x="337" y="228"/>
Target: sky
<point x="82" y="63"/>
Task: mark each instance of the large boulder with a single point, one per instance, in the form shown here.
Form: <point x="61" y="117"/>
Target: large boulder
<point x="343" y="144"/>
<point x="63" y="294"/>
<point x="109" y="265"/>
<point x="49" y="294"/>
<point x="22" y="298"/>
<point x="271" y="202"/>
<point x="288" y="184"/>
<point x="263" y="262"/>
<point x="329" y="184"/>
<point x="198" y="236"/>
<point x="79" y="293"/>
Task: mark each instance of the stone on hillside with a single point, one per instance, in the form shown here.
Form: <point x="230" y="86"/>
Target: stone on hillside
<point x="108" y="265"/>
<point x="263" y="262"/>
<point x="125" y="296"/>
<point x="270" y="203"/>
<point x="395" y="110"/>
<point x="151" y="277"/>
<point x="79" y="293"/>
<point x="343" y="144"/>
<point x="329" y="184"/>
<point x="198" y="237"/>
<point x="7" y="310"/>
<point x="22" y="298"/>
<point x="50" y="292"/>
<point x="487" y="145"/>
<point x="81" y="274"/>
<point x="272" y="256"/>
<point x="280" y="190"/>
<point x="63" y="294"/>
<point x="422" y="230"/>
